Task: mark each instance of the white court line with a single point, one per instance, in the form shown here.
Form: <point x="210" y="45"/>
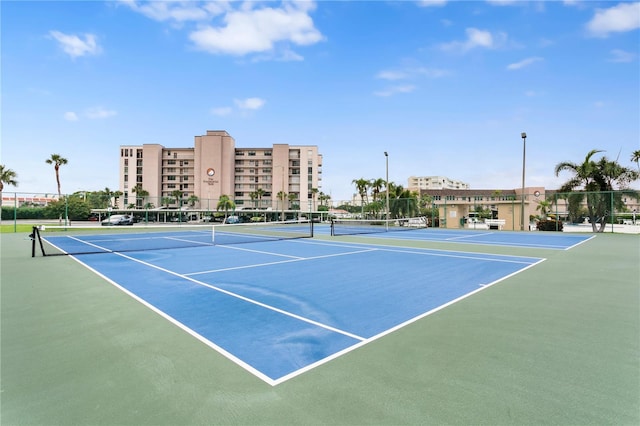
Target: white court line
<point x="298" y="259"/>
<point x="491" y="257"/>
<point x="469" y="236"/>
<point x="580" y="242"/>
<point x="246" y="299"/>
<point x="397" y="327"/>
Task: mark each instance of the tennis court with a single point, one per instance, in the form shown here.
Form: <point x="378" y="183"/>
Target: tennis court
<point x="398" y="318"/>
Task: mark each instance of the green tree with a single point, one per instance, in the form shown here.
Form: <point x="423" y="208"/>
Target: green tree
<point x="260" y="194"/>
<point x="8" y="177"/>
<point x="598" y="180"/>
<point x="225" y="203"/>
<point x="57" y="161"/>
<point x="545" y="207"/>
<point x="362" y="186"/>
<point x="323" y="198"/>
<point x="141" y="194"/>
<point x="116" y="197"/>
<point x="635" y="157"/>
<point x="254" y="198"/>
<point x="192" y="200"/>
<point x="293" y="197"/>
<point x="75" y="207"/>
<point x="314" y="194"/>
<point x="376" y="187"/>
<point x="177" y="196"/>
<point x="282" y="196"/>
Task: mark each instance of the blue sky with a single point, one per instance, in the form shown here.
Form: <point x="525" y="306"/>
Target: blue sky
<point x="446" y="87"/>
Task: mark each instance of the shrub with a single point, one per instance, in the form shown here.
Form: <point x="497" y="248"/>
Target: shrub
<point x="549" y="225"/>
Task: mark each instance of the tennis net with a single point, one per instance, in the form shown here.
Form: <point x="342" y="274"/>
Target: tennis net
<point x="261" y="231"/>
<point x="372" y="226"/>
<point x="59" y="240"/>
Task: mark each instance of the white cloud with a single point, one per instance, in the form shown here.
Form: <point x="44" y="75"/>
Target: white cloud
<point x="70" y="116"/>
<point x="429" y="3"/>
<point x="391" y="75"/>
<point x="395" y="90"/>
<point x="619" y="55"/>
<point x="97" y="113"/>
<point x="221" y="111"/>
<point x="74" y="45"/>
<point x="177" y="11"/>
<point x="250" y="103"/>
<point x="502" y="2"/>
<point x="620" y="18"/>
<point x="476" y="38"/>
<point x="524" y="63"/>
<point x="249" y="31"/>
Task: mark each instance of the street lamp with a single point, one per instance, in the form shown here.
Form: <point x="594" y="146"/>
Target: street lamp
<point x="386" y="156"/>
<point x="524" y="153"/>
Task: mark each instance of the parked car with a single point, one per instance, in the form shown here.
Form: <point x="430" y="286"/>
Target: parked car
<point x="118" y="220"/>
<point x="232" y="219"/>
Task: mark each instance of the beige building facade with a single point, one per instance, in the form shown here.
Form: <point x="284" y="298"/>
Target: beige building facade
<point x="252" y="177"/>
<point x="417" y="183"/>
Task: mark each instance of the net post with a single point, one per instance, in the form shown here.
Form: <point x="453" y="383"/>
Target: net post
<point x="35" y="235"/>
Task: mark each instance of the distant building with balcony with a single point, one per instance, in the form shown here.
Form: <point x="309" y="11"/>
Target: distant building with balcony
<point x="417" y="183"/>
<point x="214" y="166"/>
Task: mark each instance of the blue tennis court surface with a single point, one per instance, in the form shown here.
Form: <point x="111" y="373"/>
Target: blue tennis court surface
<point x="544" y="240"/>
<point x="280" y="308"/>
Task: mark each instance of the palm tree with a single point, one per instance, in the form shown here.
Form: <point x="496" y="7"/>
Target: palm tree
<point x="116" y="197"/>
<point x="106" y="196"/>
<point x="362" y="185"/>
<point x="376" y="187"/>
<point x="598" y="180"/>
<point x="225" y="203"/>
<point x="635" y="157"/>
<point x="314" y="193"/>
<point x="192" y="200"/>
<point x="259" y="193"/>
<point x="254" y="197"/>
<point x="57" y="161"/>
<point x="282" y="196"/>
<point x="7" y="176"/>
<point x="322" y="197"/>
<point x="140" y="193"/>
<point x="545" y="207"/>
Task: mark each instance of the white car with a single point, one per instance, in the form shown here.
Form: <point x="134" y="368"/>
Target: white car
<point x="118" y="220"/>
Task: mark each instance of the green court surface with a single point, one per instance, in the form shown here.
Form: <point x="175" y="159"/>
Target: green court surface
<point x="556" y="344"/>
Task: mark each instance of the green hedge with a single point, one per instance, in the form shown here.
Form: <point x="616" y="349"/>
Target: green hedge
<point x="549" y="225"/>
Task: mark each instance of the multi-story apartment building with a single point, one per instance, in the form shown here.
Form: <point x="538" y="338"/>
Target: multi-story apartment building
<point x="251" y="177"/>
<point x="417" y="183"/>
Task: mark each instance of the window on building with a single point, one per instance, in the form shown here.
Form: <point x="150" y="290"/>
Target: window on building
<point x="251" y="153"/>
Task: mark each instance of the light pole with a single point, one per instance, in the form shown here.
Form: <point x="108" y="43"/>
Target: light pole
<point x="386" y="156"/>
<point x="524" y="153"/>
